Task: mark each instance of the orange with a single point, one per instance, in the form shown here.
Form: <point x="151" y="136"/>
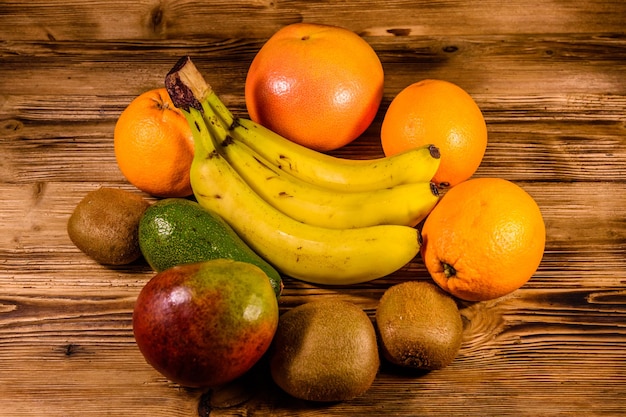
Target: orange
<point x="317" y="85"/>
<point x="154" y="145"/>
<point x="484" y="239"/>
<point x="443" y="114"/>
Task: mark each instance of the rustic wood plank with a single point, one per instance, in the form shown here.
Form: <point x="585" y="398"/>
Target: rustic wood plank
<point x="87" y="380"/>
<point x="42" y="20"/>
<point x="515" y="64"/>
<point x="584" y="240"/>
<point x="528" y="331"/>
<point x="547" y="142"/>
<point x="43" y="210"/>
<point x="527" y="117"/>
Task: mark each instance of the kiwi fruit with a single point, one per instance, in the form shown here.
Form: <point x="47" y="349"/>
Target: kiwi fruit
<point x="419" y="326"/>
<point x="105" y="225"/>
<point x="324" y="351"/>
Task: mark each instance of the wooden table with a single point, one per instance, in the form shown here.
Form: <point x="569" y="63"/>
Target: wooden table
<point x="550" y="79"/>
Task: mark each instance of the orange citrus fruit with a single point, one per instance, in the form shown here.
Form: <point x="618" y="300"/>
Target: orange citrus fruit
<point x="317" y="85"/>
<point x="484" y="239"/>
<point x="154" y="145"/>
<point x="443" y="114"/>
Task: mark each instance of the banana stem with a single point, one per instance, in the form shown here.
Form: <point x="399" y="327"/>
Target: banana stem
<point x="186" y="86"/>
<point x="207" y="116"/>
<point x="191" y="93"/>
<point x="188" y="89"/>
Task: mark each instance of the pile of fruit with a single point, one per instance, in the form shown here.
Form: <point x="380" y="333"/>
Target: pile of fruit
<point x="269" y="203"/>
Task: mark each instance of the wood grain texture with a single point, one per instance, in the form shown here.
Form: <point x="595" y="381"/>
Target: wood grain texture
<point x="549" y="78"/>
<point x="168" y="19"/>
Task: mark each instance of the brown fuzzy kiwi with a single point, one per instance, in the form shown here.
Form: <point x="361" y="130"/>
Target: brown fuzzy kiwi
<point x="419" y="326"/>
<point x="105" y="225"/>
<point x="325" y="351"/>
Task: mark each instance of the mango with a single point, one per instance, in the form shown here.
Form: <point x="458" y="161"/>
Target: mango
<point x="205" y="324"/>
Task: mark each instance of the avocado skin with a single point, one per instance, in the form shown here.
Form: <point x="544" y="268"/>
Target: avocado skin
<point x="177" y="231"/>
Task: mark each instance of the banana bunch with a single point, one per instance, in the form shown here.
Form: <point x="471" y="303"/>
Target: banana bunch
<point x="314" y="217"/>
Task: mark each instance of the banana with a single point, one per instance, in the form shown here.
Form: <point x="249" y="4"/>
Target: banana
<point x="309" y="253"/>
<point x="346" y="175"/>
<point x="405" y="204"/>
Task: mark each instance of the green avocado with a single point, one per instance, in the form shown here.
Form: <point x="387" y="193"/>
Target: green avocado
<point x="176" y="231"/>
